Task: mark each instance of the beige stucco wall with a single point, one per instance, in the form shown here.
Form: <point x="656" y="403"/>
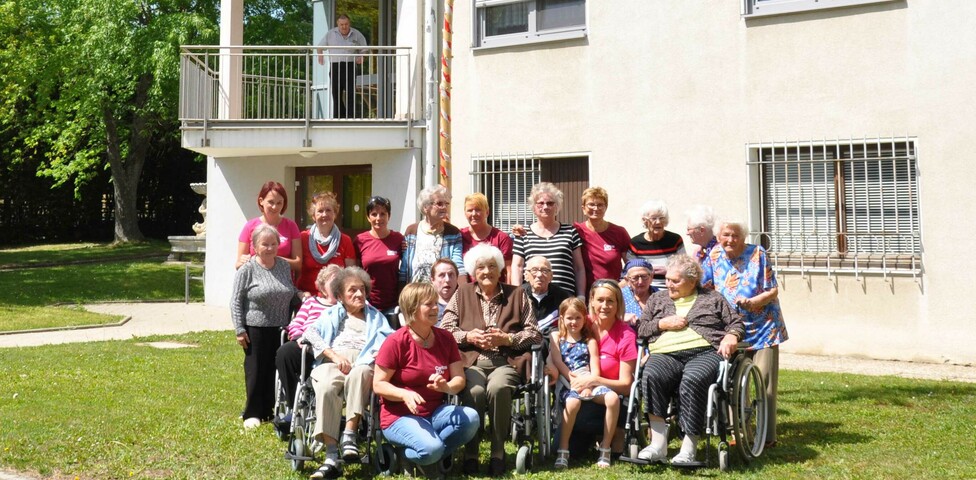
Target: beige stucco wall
<point x="664" y="96"/>
<point x="233" y="185"/>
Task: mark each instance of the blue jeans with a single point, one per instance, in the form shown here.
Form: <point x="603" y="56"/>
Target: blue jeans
<point x="427" y="440"/>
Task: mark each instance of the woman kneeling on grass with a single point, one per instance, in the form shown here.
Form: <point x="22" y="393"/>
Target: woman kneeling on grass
<point x="259" y="307"/>
<point x="416" y="367"/>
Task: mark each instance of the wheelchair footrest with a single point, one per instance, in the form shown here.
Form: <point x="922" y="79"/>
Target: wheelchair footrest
<point x="291" y="456"/>
<point x="690" y="465"/>
<point x="634" y="460"/>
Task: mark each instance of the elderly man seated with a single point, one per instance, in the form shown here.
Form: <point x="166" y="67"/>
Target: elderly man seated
<point x="545" y="296"/>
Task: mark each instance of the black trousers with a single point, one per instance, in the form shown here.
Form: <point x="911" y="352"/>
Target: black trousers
<point x="344" y="90"/>
<point x="687" y="374"/>
<point x="288" y="360"/>
<point x="259" y="368"/>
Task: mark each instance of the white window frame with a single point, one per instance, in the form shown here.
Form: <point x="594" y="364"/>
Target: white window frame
<point x="838" y="206"/>
<point x="481" y="41"/>
<point x="762" y="8"/>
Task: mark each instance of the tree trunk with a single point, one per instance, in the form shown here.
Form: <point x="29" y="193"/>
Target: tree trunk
<point x="127" y="171"/>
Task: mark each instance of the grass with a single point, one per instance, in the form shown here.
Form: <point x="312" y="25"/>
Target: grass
<point x="124" y="410"/>
<point x="27" y="295"/>
<point x="77" y="252"/>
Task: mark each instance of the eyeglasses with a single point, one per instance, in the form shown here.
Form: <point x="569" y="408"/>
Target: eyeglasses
<point x="604" y="283"/>
<point x="655" y="219"/>
<point x="596" y="206"/>
<point x="550" y="203"/>
<point x="639" y="278"/>
<point x="441" y="204"/>
<point x="540" y="271"/>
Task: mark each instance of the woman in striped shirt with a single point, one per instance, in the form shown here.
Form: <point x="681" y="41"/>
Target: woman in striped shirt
<point x="559" y="243"/>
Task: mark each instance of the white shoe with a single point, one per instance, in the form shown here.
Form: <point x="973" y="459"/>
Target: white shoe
<point x="252" y="422"/>
<point x="651" y="455"/>
<point x="682" y="458"/>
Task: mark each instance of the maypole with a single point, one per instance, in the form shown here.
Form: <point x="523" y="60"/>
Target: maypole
<point x="444" y="170"/>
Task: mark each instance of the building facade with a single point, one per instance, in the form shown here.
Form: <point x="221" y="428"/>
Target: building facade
<point x="836" y="129"/>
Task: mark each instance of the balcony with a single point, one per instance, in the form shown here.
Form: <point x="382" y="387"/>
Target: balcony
<point x="278" y="100"/>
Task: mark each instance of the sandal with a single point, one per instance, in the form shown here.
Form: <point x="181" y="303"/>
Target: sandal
<point x="350" y="451"/>
<point x="329" y="469"/>
<point x="562" y="459"/>
<point x="604" y="460"/>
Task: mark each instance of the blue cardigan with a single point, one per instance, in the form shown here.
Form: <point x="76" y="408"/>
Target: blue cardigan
<point x="451" y="248"/>
<point x="325" y="330"/>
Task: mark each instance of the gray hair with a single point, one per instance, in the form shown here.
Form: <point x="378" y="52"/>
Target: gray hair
<point x="546" y="187"/>
<point x="346" y="274"/>
<point x="324" y="274"/>
<point x="742" y="227"/>
<point x="482" y="253"/>
<point x="426" y="196"/>
<point x="545" y="261"/>
<point x="689" y="267"/>
<point x="264" y="230"/>
<point x="701" y="216"/>
<point x="651" y="207"/>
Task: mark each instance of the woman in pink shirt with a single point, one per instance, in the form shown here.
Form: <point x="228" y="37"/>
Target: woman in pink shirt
<point x="604" y="244"/>
<point x="272" y="202"/>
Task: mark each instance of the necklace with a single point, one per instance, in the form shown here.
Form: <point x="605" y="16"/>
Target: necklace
<point x="425" y="339"/>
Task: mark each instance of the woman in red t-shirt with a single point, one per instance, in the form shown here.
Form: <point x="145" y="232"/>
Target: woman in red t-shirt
<point x="378" y="250"/>
<point x="323" y="244"/>
<point x="415" y="368"/>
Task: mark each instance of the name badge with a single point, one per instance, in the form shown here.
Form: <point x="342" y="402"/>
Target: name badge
<point x="608" y="248"/>
<point x="391" y="253"/>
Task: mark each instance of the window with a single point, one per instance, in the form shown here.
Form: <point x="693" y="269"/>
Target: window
<point x="507" y="179"/>
<point x="511" y="22"/>
<point x="758" y="8"/>
<point x="838" y="206"/>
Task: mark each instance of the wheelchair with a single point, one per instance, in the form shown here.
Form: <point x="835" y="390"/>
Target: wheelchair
<point x="302" y="446"/>
<point x="389" y="460"/>
<point x="736" y="410"/>
<point x="533" y="413"/>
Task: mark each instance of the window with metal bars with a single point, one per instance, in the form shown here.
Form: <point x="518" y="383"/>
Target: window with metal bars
<point x="839" y="206"/>
<point x="506" y="181"/>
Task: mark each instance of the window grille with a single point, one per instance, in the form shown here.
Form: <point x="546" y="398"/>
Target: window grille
<point x="839" y="205"/>
<point x="506" y="180"/>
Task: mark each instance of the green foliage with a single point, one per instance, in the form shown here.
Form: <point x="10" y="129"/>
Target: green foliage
<point x="90" y="84"/>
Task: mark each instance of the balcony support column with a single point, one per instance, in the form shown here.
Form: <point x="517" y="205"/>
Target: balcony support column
<point x="231" y="78"/>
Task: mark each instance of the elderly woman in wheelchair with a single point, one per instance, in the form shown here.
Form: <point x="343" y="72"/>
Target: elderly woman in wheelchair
<point x="344" y="340"/>
<point x="689" y="330"/>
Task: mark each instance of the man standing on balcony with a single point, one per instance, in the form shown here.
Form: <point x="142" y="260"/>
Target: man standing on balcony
<point x="343" y="62"/>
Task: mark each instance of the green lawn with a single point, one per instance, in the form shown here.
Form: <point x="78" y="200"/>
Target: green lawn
<point x="27" y="295"/>
<point x="123" y="410"/>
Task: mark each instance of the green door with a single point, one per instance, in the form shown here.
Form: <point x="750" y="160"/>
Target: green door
<point x="352" y="184"/>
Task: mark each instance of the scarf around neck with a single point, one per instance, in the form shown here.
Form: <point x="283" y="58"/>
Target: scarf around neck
<point x="330" y="243"/>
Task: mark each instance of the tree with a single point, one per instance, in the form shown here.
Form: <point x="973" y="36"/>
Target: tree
<point x="92" y="84"/>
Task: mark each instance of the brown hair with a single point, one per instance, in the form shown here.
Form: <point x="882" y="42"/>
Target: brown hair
<point x="578" y="305"/>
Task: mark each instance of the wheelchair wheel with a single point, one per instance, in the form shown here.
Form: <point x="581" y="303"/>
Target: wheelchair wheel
<point x="749" y="406"/>
<point x="523" y="459"/>
<point x="385" y="460"/>
<point x="297" y="450"/>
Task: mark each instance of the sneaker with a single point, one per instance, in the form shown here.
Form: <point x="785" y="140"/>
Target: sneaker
<point x="651" y="455"/>
<point x="252" y="422"/>
<point x="349" y="450"/>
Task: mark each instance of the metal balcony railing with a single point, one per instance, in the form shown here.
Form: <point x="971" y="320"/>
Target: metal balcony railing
<point x="295" y="84"/>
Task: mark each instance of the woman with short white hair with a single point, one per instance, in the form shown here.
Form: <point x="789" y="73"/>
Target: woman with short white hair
<point x="701" y="223"/>
<point x="494" y="326"/>
<point x="430" y="238"/>
<point x="741" y="272"/>
<point x="656" y="245"/>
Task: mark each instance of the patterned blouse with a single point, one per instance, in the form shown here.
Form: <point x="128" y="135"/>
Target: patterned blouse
<point x="745" y="277"/>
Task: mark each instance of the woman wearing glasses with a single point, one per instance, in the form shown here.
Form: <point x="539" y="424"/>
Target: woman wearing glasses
<point x="378" y="250"/>
<point x="480" y="232"/>
<point x="656" y="245"/>
<point x="430" y="238"/>
<point x="559" y="243"/>
<point x="604" y="244"/>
